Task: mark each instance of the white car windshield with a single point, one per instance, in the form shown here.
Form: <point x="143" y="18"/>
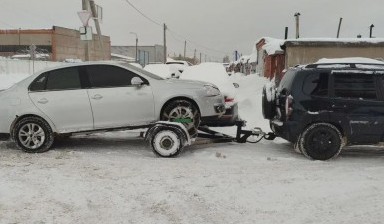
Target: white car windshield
<point x="150" y="75"/>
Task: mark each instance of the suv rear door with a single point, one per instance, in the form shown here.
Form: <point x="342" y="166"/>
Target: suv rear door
<point x="357" y="102"/>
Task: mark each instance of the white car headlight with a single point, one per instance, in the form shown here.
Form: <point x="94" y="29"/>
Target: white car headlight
<point x="211" y="90"/>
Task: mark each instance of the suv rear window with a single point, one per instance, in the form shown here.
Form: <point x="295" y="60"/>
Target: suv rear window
<point x="355" y="86"/>
<point x="287" y="80"/>
<point x="316" y="84"/>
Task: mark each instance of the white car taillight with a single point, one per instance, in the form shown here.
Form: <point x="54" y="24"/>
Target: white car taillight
<point x="229" y="100"/>
<point x="288" y="106"/>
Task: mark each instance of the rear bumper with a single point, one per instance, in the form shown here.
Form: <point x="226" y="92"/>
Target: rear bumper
<point x="288" y="130"/>
<point x="229" y="118"/>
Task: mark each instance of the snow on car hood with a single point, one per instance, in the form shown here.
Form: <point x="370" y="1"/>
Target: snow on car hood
<point x="212" y="73"/>
<point x="194" y="82"/>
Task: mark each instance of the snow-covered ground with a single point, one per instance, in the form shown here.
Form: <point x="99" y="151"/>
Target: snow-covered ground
<point x="115" y="178"/>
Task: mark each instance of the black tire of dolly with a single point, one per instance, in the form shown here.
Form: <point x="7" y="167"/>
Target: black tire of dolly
<point x="49" y="136"/>
<point x="314" y="130"/>
<point x="180" y="137"/>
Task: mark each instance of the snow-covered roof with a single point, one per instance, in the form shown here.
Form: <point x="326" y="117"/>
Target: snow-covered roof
<point x="337" y="40"/>
<point x="354" y="60"/>
<point x="120" y="56"/>
<point x="271" y="45"/>
<point x="274" y="46"/>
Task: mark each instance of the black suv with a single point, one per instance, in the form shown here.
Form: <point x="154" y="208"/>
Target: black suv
<point x="323" y="107"/>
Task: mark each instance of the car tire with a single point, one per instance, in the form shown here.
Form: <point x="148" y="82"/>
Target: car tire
<point x="183" y="109"/>
<point x="321" y="141"/>
<point x="33" y="135"/>
<point x="167" y="142"/>
<point x="268" y="102"/>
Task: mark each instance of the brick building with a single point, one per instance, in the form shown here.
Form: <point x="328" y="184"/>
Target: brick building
<point x="145" y="54"/>
<point x="274" y="55"/>
<point x="59" y="43"/>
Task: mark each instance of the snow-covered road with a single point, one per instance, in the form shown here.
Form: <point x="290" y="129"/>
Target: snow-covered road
<point x="115" y="178"/>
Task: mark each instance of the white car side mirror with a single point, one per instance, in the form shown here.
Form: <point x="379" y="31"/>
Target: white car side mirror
<point x="136" y="81"/>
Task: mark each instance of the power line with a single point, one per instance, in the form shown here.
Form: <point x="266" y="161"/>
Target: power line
<point x="141" y="13"/>
<point x="173" y="33"/>
<point x="197" y="44"/>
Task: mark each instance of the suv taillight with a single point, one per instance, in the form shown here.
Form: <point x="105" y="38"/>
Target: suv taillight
<point x="288" y="106"/>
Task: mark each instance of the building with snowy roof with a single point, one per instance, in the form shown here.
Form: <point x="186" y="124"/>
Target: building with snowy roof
<point x="275" y="55"/>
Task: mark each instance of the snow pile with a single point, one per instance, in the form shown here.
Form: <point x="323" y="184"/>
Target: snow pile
<point x="9" y="80"/>
<point x="213" y="73"/>
<point x="162" y="70"/>
<point x="271" y="46"/>
<point x="249" y="97"/>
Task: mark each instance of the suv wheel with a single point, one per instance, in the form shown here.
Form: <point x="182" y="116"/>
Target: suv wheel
<point x="33" y="135"/>
<point x="321" y="141"/>
<point x="269" y="102"/>
<point x="184" y="112"/>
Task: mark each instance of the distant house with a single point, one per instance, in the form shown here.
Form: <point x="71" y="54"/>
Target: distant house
<point x="270" y="57"/>
<point x="305" y="51"/>
<point x="145" y="54"/>
<point x="274" y="55"/>
<point x="119" y="57"/>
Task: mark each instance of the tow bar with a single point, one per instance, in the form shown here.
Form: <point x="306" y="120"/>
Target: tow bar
<point x="168" y="139"/>
<point x="242" y="136"/>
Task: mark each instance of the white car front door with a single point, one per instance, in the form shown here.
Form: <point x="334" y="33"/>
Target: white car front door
<point x="58" y="94"/>
<point x="115" y="101"/>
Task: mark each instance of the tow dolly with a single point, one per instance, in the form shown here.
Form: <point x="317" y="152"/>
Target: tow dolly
<point x="168" y="139"/>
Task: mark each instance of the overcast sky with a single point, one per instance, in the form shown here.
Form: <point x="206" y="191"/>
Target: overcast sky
<point x="222" y="26"/>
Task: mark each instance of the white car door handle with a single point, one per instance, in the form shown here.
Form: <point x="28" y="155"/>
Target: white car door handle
<point x="43" y="101"/>
<point x="97" y="97"/>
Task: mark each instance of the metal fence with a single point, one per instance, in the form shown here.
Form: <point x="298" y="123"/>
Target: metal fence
<point x="11" y="66"/>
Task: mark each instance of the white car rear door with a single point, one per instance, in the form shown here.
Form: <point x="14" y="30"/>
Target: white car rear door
<point x="58" y="94"/>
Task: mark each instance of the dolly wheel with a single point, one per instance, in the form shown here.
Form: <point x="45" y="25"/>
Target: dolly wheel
<point x="167" y="142"/>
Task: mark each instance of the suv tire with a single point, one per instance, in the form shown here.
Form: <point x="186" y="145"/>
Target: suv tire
<point x="33" y="135"/>
<point x="268" y="102"/>
<point x="321" y="141"/>
<point x="183" y="109"/>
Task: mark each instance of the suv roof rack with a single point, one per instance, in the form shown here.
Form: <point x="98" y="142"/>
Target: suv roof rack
<point x="351" y="65"/>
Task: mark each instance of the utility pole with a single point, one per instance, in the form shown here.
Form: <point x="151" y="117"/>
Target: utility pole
<point x="286" y="33"/>
<point x="194" y="57"/>
<point x="338" y="30"/>
<point x="165" y="43"/>
<point x="86" y="44"/>
<point x="185" y="49"/>
<point x="205" y="58"/>
<point x="200" y="58"/>
<point x="297" y="15"/>
<point x="370" y="30"/>
<point x="137" y="43"/>
<point x="97" y="24"/>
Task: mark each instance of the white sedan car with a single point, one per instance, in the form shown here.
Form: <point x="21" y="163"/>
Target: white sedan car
<point x="91" y="97"/>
